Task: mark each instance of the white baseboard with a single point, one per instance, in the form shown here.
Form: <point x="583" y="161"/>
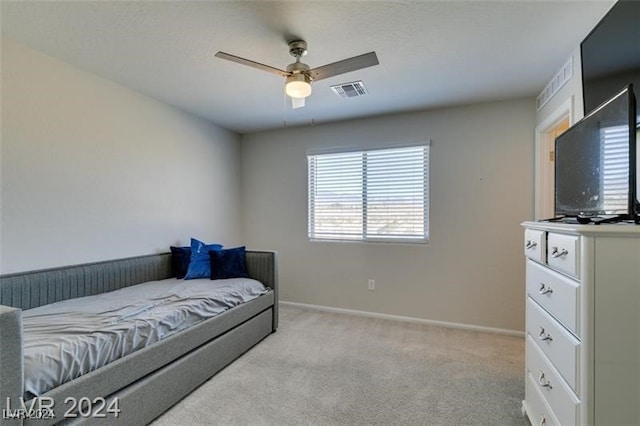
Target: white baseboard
<point x="469" y="327"/>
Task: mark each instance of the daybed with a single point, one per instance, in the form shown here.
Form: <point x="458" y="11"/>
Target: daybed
<point x="148" y="381"/>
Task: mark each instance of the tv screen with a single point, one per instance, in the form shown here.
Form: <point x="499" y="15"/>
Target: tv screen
<point x="611" y="55"/>
<point x="595" y="162"/>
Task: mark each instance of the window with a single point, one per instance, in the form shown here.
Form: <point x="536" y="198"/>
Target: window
<point x="374" y="195"/>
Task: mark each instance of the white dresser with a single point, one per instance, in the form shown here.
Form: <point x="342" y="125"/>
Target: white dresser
<point x="583" y="324"/>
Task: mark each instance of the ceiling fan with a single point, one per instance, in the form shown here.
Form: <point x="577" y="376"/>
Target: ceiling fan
<point x="299" y="75"/>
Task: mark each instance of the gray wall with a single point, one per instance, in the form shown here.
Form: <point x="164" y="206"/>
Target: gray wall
<point x="472" y="270"/>
<point x="91" y="170"/>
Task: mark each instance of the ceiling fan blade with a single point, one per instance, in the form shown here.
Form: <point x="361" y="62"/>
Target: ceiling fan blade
<point x="253" y="64"/>
<point x="297" y="103"/>
<point x="347" y="65"/>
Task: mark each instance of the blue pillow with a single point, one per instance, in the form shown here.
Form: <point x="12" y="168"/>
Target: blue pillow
<point x="200" y="265"/>
<point x="229" y="263"/>
<point x="180" y="258"/>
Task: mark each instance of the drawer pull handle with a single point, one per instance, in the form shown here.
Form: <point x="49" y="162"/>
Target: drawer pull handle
<point x="543" y="381"/>
<point x="545" y="289"/>
<point x="544" y="336"/>
<point x="530" y="244"/>
<point x="558" y="253"/>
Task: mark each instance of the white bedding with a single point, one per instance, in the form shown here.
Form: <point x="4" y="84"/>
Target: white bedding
<point x="67" y="339"/>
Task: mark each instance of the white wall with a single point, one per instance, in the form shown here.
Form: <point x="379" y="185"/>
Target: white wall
<point x="92" y="170"/>
<point x="471" y="272"/>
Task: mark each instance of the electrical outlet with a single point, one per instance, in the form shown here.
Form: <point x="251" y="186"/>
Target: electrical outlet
<point x="372" y="285"/>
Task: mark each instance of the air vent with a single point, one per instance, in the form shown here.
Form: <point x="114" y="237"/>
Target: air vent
<point x="555" y="84"/>
<point x="350" y="90"/>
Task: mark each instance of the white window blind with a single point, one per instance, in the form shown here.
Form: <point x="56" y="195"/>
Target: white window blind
<point x="374" y="195"/>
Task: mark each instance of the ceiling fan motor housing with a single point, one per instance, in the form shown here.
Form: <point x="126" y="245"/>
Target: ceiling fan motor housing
<point x="298" y="68"/>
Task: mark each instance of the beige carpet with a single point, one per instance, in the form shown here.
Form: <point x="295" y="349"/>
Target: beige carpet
<point x="333" y="369"/>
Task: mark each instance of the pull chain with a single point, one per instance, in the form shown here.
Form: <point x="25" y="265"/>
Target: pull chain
<point x="284" y="109"/>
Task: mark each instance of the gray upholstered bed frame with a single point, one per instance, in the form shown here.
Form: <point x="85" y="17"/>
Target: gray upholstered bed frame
<point x="146" y="382"/>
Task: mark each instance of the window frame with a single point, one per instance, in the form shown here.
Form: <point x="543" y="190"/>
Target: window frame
<point x="363" y="238"/>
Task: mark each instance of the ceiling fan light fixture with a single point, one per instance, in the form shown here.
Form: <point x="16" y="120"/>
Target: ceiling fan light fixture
<point x="298" y="86"/>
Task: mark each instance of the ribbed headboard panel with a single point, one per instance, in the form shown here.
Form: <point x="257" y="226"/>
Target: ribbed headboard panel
<point x="31" y="289"/>
<point x="263" y="266"/>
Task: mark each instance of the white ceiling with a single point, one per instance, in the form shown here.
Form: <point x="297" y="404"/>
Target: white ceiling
<point x="432" y="53"/>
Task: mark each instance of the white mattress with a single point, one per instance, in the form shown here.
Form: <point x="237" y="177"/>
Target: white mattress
<point x="67" y="339"/>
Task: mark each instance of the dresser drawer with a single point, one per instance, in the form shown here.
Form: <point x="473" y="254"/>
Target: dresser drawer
<point x="534" y="245"/>
<point x="563" y="253"/>
<point x="538" y="410"/>
<point x="560" y="346"/>
<point x="555" y="292"/>
<point x="563" y="402"/>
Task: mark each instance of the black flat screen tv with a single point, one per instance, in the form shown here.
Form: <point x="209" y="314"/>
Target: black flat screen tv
<point x="595" y="162"/>
<point x="610" y="55"/>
